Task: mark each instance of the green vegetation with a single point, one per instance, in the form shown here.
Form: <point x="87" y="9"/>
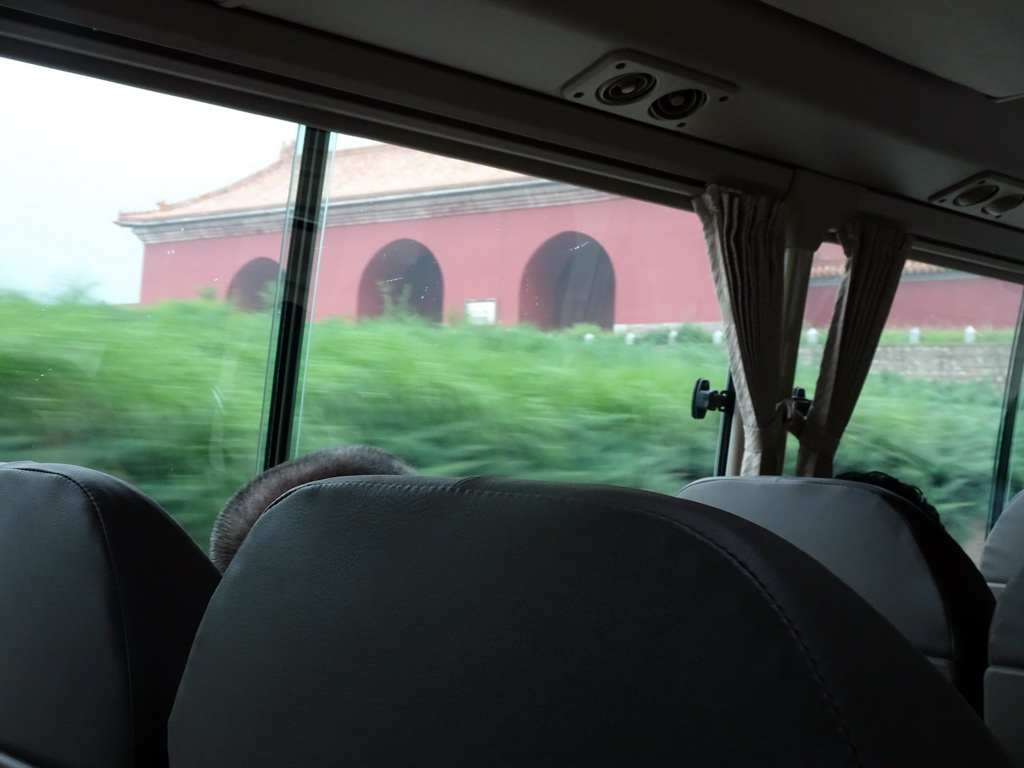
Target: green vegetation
<point x="514" y="401"/>
<point x="947" y="336"/>
<point x="899" y="336"/>
<point x="167" y="398"/>
<point x="939" y="436"/>
<point x="170" y="398"/>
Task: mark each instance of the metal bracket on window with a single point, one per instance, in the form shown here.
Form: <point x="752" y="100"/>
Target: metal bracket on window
<point x="706" y="399"/>
<point x="801" y="401"/>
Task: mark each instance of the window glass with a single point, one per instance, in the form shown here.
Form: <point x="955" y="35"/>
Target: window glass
<point x="930" y="410"/>
<point x="132" y="294"/>
<point x="1015" y="481"/>
<point x="475" y="320"/>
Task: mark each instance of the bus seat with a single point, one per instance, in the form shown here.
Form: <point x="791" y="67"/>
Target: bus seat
<point x="889" y="551"/>
<point x="432" y="622"/>
<point x="1004" y="679"/>
<point x="100" y="595"/>
<point x="1003" y="554"/>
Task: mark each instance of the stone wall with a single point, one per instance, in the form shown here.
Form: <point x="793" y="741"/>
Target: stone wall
<point x="946" y="362"/>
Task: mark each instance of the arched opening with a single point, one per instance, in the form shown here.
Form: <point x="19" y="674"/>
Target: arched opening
<point x="253" y="284"/>
<point x="568" y="280"/>
<point x="403" y="276"/>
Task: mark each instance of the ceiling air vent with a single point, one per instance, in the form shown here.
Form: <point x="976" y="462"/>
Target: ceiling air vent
<point x="643" y="88"/>
<point x="987" y="196"/>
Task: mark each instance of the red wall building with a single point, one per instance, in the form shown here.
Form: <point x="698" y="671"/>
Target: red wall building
<point x="442" y="237"/>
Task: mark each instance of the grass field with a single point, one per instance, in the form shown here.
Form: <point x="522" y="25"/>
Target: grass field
<point x="170" y="398"/>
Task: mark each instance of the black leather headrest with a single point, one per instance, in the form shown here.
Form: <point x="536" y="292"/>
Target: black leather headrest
<point x="482" y="622"/>
<point x="893" y="554"/>
<point x="1003" y="554"/>
<point x="100" y="596"/>
<point x="1004" y="679"/>
<point x="1006" y="644"/>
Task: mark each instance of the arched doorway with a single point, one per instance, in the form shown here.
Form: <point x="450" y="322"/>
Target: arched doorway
<point x="568" y="280"/>
<point x="403" y="276"/>
<point x="252" y="285"/>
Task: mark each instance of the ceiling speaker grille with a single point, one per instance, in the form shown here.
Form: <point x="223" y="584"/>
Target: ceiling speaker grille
<point x="625" y="89"/>
<point x="987" y="196"/>
<point x="643" y="88"/>
<point x="678" y="104"/>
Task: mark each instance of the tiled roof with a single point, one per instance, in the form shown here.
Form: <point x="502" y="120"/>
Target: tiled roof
<point x="380" y="170"/>
<point x="830" y="262"/>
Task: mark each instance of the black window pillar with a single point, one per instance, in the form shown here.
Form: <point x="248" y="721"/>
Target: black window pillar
<point x="305" y="228"/>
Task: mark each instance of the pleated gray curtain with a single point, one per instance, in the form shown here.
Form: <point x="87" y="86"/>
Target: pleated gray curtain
<point x="876" y="252"/>
<point x="745" y="235"/>
<point x="798" y="276"/>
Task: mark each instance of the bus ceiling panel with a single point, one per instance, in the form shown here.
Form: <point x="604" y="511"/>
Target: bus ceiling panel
<point x="797" y="81"/>
<point x="975" y="44"/>
<point x="200" y="46"/>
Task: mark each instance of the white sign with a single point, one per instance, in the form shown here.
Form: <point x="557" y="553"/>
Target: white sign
<point x="482" y="311"/>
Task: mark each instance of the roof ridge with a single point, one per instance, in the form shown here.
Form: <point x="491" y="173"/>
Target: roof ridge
<point x="370" y="171"/>
<point x="287" y="153"/>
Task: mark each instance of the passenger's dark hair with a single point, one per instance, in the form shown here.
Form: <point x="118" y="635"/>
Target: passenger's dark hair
<point x="911" y="493"/>
<point x="243" y="509"/>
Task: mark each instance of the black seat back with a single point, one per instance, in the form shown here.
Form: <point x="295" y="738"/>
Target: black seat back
<point x="100" y="596"/>
<point x="1003" y="554"/>
<point x="1004" y="679"/>
<point x="893" y="554"/>
<point x="430" y="622"/>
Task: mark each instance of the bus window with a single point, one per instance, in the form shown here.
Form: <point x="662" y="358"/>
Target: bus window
<point x="474" y="321"/>
<point x="126" y="346"/>
<point x="1015" y="479"/>
<point x="930" y="410"/>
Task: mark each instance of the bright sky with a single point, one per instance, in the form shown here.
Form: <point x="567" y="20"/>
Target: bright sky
<point x="74" y="152"/>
